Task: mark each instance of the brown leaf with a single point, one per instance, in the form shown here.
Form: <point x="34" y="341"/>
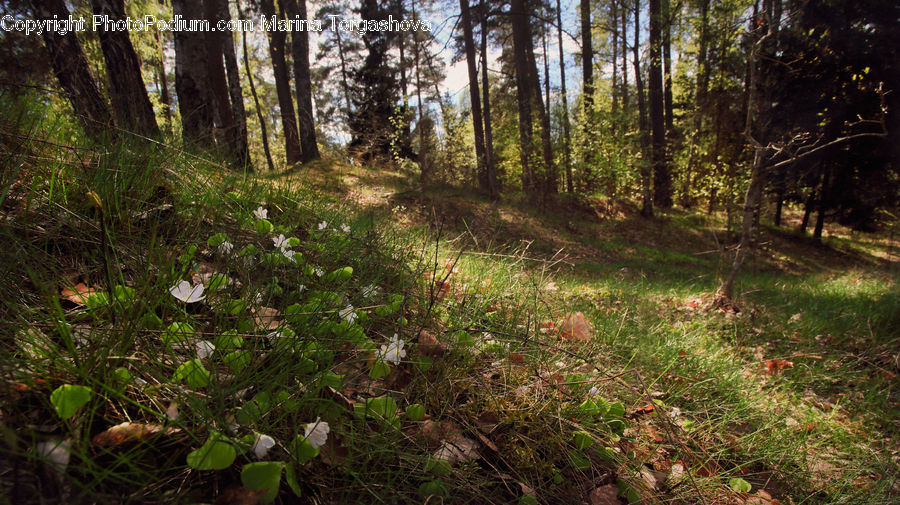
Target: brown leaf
<point x="130" y="432"/>
<point x="488" y="444"/>
<point x="333" y="452"/>
<point x="605" y="495"/>
<point x="773" y="366"/>
<point x="487" y="422"/>
<point x="240" y="496"/>
<point x="574" y="327"/>
<point x="267" y="318"/>
<point x="430" y="346"/>
<point x="78" y="293"/>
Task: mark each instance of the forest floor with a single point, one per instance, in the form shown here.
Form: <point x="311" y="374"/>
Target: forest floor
<point x="458" y="350"/>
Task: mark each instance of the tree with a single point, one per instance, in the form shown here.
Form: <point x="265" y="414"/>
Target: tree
<point x="477" y="118"/>
<point x="283" y="86"/>
<point x="237" y="135"/>
<point x="662" y="179"/>
<point x="490" y="166"/>
<point x="191" y="79"/>
<point x="302" y="85"/>
<point x="131" y="104"/>
<point x="262" y="121"/>
<point x="646" y="196"/>
<point x="565" y="101"/>
<point x="71" y="68"/>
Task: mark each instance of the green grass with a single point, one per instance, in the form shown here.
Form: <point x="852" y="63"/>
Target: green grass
<point x="663" y="382"/>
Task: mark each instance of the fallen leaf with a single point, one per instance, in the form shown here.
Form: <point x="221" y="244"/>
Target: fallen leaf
<point x="333" y="452"/>
<point x="774" y="366"/>
<point x="130" y="432"/>
<point x="240" y="496"/>
<point x="487" y="422"/>
<point x="458" y="450"/>
<point x="430" y="346"/>
<point x="78" y="293"/>
<point x="266" y="318"/>
<point x="574" y="327"/>
<point x="605" y="495"/>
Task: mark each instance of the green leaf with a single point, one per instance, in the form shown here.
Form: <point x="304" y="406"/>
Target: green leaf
<point x="263" y="226"/>
<point x="69" y="398"/>
<point x="583" y="440"/>
<point x="193" y="372"/>
<point x="616" y="409"/>
<point x="290" y="475"/>
<point x="579" y="460"/>
<point x="382" y="408"/>
<point x="293" y="241"/>
<point x="228" y="340"/>
<point x="124" y="294"/>
<point x="332" y="380"/>
<point x="217" y="281"/>
<point x="151" y="321"/>
<point x="263" y="475"/>
<point x="527" y="499"/>
<point x="177" y="332"/>
<point x="438" y="467"/>
<point x="415" y="412"/>
<point x="216" y="240"/>
<point x="340" y="275"/>
<point x="122" y="378"/>
<point x="379" y="369"/>
<point x="739" y="485"/>
<point x="215" y="454"/>
<point x="303" y="450"/>
<point x="237" y="360"/>
<point x="96" y="301"/>
<point x="188" y="254"/>
<point x="248" y="250"/>
<point x="433" y="488"/>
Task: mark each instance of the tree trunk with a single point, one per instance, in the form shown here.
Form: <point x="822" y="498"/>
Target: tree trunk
<point x="477" y="120"/>
<point x="163" y="87"/>
<point x="238" y="133"/>
<point x="424" y="153"/>
<point x="70" y="65"/>
<point x="587" y="55"/>
<point x="218" y="84"/>
<point x="302" y="84"/>
<point x="131" y="105"/>
<point x="493" y="186"/>
<point x="283" y="87"/>
<point x="565" y="100"/>
<point x="624" y="25"/>
<point x="613" y="15"/>
<point x="662" y="182"/>
<point x="824" y="195"/>
<point x="191" y="79"/>
<point x="519" y="21"/>
<point x="345" y="86"/>
<point x="548" y="179"/>
<point x="702" y="84"/>
<point x="669" y="114"/>
<point x="646" y="196"/>
<point x="259" y="116"/>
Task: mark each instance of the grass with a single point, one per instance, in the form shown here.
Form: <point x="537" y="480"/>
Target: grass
<point x="667" y="401"/>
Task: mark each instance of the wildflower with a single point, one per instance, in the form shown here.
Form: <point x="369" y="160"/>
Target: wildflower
<point x="393" y="350"/>
<point x="370" y="291"/>
<point x="594" y="391"/>
<point x="323" y="225"/>
<point x="317" y="433"/>
<point x="205" y="349"/>
<point x="225" y="247"/>
<point x="347" y="314"/>
<point x="301" y="288"/>
<point x="187" y="293"/>
<point x="262" y="444"/>
<point x="319" y="272"/>
<point x="261" y="213"/>
<point x="289" y="254"/>
<point x="345" y="228"/>
<point x="281" y="242"/>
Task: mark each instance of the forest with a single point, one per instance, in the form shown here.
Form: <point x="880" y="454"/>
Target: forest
<point x="597" y="252"/>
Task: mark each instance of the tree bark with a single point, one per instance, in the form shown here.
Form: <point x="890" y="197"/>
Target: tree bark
<point x="71" y="68"/>
<point x="259" y="116"/>
<point x="669" y="113"/>
<point x="474" y="96"/>
<point x="164" y="97"/>
<point x="191" y="79"/>
<point x="493" y="187"/>
<point x="131" y="105"/>
<point x="646" y="196"/>
<point x="296" y="9"/>
<point x="587" y="55"/>
<point x="562" y="72"/>
<point x="238" y="133"/>
<point x="613" y="15"/>
<point x="218" y="84"/>
<point x="282" y="87"/>
<point x="662" y="182"/>
<point x="519" y="21"/>
<point x="624" y="11"/>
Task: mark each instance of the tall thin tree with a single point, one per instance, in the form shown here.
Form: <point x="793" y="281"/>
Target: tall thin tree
<point x="477" y="119"/>
<point x="565" y="101"/>
<point x="296" y="10"/>
<point x="277" y="44"/>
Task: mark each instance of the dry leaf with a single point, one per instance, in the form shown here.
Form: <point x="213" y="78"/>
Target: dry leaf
<point x="266" y="318"/>
<point x="78" y="294"/>
<point x="605" y="495"/>
<point x="430" y="346"/>
<point x="773" y="366"/>
<point x="240" y="496"/>
<point x="574" y="327"/>
<point x="130" y="432"/>
<point x="458" y="450"/>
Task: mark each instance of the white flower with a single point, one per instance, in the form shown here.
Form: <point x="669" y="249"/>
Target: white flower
<point x="319" y="272"/>
<point x="205" y="349"/>
<point x="57" y="453"/>
<point x="594" y="391"/>
<point x="281" y="242"/>
<point x="345" y="228"/>
<point x="393" y="351"/>
<point x="289" y="254"/>
<point x="317" y="433"/>
<point x="261" y="213"/>
<point x="347" y="314"/>
<point x="186" y="293"/>
<point x="301" y="288"/>
<point x="275" y="334"/>
<point x="370" y="291"/>
<point x="323" y="225"/>
<point x="225" y="247"/>
<point x="262" y="444"/>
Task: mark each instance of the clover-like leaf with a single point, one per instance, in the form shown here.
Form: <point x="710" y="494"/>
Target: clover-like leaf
<point x="263" y="475"/>
<point x="214" y="454"/>
<point x="68" y="398"/>
<point x="193" y="372"/>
